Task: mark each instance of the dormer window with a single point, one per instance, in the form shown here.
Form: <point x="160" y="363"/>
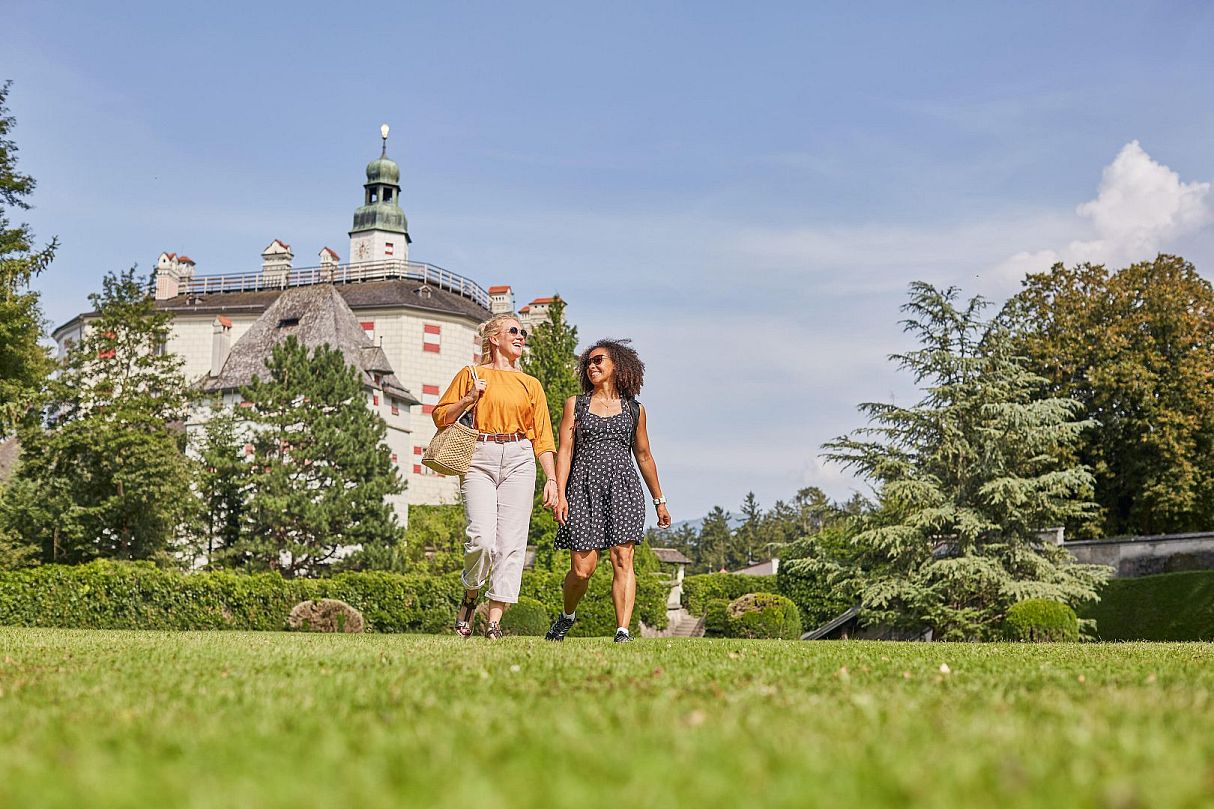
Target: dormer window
<point x="288" y="322"/>
<point x="424" y="292"/>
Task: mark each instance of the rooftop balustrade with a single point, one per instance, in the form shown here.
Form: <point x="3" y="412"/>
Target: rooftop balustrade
<point x="359" y="272"/>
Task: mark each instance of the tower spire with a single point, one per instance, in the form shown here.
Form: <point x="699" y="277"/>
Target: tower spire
<point x="383" y="133"/>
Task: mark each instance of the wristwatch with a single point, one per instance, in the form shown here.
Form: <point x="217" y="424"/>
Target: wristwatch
<point x="657" y="501"/>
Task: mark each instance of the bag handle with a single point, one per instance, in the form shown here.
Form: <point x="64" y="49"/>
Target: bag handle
<point x="472" y="410"/>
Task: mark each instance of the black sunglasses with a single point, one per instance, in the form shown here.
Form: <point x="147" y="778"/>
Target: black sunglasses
<point x="517" y="330"/>
<point x="597" y="359"/>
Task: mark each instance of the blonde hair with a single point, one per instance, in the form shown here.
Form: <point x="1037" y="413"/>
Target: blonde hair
<point x="489" y="328"/>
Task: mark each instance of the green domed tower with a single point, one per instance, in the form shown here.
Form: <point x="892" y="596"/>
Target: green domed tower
<point x="381" y="231"/>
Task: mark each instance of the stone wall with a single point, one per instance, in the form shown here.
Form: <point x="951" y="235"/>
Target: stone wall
<point x="1148" y="555"/>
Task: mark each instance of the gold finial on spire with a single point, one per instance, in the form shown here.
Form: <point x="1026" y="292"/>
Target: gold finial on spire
<point x="383" y="133"/>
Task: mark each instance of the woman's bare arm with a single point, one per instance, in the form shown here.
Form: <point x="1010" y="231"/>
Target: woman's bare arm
<point x="649" y="469"/>
<point x="564" y="458"/>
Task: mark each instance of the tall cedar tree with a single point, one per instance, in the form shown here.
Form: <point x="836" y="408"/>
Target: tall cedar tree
<point x="1136" y="348"/>
<point x="222" y="483"/>
<point x="320" y="468"/>
<point x="966" y="480"/>
<point x="24" y="362"/>
<point x="108" y="476"/>
<point x="552" y="359"/>
<point x="714" y="551"/>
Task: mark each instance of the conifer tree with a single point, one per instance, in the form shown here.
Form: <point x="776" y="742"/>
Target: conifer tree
<point x="716" y="538"/>
<point x="222" y="483"/>
<point x="24" y="362"/>
<point x="108" y="476"/>
<point x="552" y="359"/>
<point x="966" y="479"/>
<point x="320" y="469"/>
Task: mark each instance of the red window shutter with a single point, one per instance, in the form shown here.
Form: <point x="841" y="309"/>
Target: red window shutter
<point x="432" y="328"/>
<point x="430" y="390"/>
<point x="427" y="409"/>
<point x="417" y="469"/>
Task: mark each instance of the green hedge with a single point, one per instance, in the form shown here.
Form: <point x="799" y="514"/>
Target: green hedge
<point x="1041" y="620"/>
<point x="716" y="618"/>
<point x="818" y="600"/>
<point x="138" y="595"/>
<point x="1166" y="607"/>
<point x="698" y="590"/>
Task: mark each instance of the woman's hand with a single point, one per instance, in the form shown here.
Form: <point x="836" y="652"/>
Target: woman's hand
<point x="551" y="495"/>
<point x="663" y="517"/>
<point x="478" y="388"/>
<point x="561" y="511"/>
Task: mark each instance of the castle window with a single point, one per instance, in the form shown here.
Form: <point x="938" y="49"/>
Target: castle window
<point x="424" y="292"/>
<point x="288" y="323"/>
<point x="389" y="248"/>
<point x="432" y="338"/>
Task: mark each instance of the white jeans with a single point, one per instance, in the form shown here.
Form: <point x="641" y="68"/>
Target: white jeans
<point x="498" y="490"/>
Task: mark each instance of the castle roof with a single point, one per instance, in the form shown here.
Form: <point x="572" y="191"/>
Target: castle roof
<point x="314" y="315"/>
<point x="499" y="289"/>
<point x="388" y="294"/>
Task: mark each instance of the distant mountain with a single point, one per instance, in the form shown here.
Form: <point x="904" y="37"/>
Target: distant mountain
<point x="734" y="522"/>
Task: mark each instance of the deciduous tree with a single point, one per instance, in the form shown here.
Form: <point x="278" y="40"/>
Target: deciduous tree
<point x="1136" y="349"/>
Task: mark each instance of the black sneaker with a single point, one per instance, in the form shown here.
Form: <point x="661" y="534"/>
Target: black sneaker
<point x="622" y="637"/>
<point x="560" y="628"/>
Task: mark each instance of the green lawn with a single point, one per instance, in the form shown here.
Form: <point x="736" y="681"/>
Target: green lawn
<point x="228" y="719"/>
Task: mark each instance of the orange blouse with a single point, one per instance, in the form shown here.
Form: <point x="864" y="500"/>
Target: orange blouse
<point x="513" y="402"/>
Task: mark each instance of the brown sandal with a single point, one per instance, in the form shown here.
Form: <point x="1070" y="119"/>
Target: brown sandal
<point x="467" y="608"/>
<point x="494" y="632"/>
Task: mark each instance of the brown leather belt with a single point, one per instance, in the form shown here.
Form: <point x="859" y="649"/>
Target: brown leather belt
<point x="501" y="438"/>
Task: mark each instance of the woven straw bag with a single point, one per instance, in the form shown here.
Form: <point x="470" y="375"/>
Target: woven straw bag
<point x="450" y="450"/>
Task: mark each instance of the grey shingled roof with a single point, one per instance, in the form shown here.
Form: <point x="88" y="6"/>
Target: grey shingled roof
<point x="315" y="315"/>
<point x="367" y="295"/>
<point x="671" y="556"/>
<point x="10" y="452"/>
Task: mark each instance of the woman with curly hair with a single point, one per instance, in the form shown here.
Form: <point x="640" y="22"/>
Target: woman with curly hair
<point x="600" y="505"/>
<point x="510" y="413"/>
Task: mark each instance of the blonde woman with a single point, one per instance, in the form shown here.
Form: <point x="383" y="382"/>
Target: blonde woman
<point x="601" y="507"/>
<point x="511" y="415"/>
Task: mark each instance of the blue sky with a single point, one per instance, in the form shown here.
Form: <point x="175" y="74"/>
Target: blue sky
<point x="745" y="189"/>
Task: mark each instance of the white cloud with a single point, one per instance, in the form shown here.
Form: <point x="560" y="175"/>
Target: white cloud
<point x="1141" y="207"/>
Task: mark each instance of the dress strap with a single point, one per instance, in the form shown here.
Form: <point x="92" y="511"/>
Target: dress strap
<point x="580" y="407"/>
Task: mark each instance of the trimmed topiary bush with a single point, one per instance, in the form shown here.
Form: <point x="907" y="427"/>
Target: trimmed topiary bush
<point x="1039" y="619"/>
<point x="527" y="617"/>
<point x="325" y="615"/>
<point x="764" y="615"/>
<point x="698" y="590"/>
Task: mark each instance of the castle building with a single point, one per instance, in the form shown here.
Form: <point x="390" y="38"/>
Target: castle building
<point x="418" y="321"/>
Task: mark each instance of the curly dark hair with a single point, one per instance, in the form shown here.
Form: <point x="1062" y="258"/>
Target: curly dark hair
<point x="629" y="370"/>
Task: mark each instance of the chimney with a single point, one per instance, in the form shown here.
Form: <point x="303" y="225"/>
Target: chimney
<point x="173" y="274"/>
<point x="221" y="343"/>
<point x="501" y="299"/>
<point x="276" y="263"/>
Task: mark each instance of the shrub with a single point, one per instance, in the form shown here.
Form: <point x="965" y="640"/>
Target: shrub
<point x="1039" y="619"/>
<point x="138" y="595"/>
<point x="527" y="617"/>
<point x="596" y="613"/>
<point x="816" y="598"/>
<point x="716" y="618"/>
<point x="700" y="589"/>
<point x="764" y="615"/>
<point x="1165" y="607"/>
<point x="325" y="615"/>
